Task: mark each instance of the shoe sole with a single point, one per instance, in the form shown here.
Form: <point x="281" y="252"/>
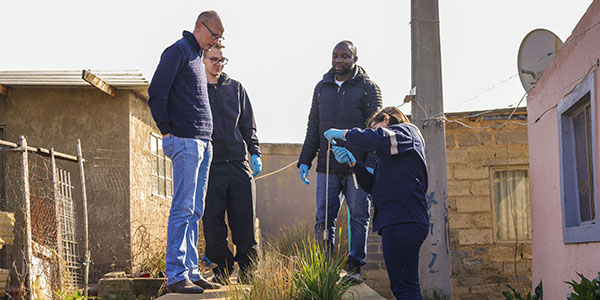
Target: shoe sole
<point x="185" y="292"/>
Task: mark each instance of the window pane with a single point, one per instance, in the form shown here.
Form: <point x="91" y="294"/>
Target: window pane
<point x="153" y="145"/>
<point x="160" y="148"/>
<point x="169" y="177"/>
<point x="161" y="186"/>
<point x="168" y="168"/>
<point x="588" y="117"/>
<point x="161" y="166"/>
<point x="155" y="162"/>
<point x="169" y="188"/>
<point x="512" y="204"/>
<point x="154" y="185"/>
<point x="582" y="164"/>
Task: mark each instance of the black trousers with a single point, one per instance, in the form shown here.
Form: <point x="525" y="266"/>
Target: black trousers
<point x="401" y="244"/>
<point x="231" y="189"/>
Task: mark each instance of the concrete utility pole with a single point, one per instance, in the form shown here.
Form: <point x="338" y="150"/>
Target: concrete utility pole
<point x="427" y="103"/>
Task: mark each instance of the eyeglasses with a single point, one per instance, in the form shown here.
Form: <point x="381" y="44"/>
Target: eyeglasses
<point x="215" y="60"/>
<point x="214" y="35"/>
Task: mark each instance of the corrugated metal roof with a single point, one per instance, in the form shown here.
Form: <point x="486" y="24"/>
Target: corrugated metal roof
<point x="116" y="78"/>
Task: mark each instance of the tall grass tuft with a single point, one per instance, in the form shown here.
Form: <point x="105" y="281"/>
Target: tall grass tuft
<point x="271" y="281"/>
<point x="318" y="275"/>
<point x="295" y="266"/>
<point x="291" y="240"/>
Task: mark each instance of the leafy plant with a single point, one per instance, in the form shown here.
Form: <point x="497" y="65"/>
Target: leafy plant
<point x="77" y="295"/>
<point x="154" y="264"/>
<point x="538" y="293"/>
<point x="585" y="289"/>
<point x="318" y="274"/>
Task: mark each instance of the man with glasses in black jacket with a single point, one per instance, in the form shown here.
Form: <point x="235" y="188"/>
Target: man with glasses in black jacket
<point x="231" y="186"/>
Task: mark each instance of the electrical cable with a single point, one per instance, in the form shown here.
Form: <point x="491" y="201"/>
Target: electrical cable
<point x="569" y="41"/>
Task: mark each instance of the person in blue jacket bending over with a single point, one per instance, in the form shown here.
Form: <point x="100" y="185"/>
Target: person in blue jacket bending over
<point x="397" y="186"/>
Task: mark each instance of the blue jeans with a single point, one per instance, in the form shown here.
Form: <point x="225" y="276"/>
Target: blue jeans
<point x="191" y="162"/>
<point x="359" y="204"/>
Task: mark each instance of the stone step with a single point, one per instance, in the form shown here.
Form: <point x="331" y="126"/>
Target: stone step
<point x="361" y="291"/>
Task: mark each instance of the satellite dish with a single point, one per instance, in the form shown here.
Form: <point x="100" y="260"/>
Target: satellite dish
<point x="536" y="53"/>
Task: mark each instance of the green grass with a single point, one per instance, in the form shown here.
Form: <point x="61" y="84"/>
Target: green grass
<point x="318" y="275"/>
<point x="295" y="266"/>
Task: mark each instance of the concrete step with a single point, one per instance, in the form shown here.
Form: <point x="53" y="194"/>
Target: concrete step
<point x="361" y="291"/>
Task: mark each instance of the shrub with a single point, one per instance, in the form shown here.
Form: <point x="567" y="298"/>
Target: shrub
<point x="538" y="293"/>
<point x="585" y="289"/>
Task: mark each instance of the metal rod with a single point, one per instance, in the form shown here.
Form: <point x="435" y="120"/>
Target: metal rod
<point x="86" y="262"/>
<point x="27" y="200"/>
<point x="56" y="195"/>
<point x="326" y="230"/>
<point x="41" y="151"/>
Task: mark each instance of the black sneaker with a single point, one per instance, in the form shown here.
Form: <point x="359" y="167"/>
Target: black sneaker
<point x="222" y="275"/>
<point x="354" y="275"/>
<point x="353" y="279"/>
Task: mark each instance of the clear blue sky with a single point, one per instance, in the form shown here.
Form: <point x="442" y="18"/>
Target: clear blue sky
<point x="280" y="49"/>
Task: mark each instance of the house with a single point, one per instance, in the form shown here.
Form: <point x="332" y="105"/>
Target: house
<point x="563" y="110"/>
<point x="128" y="178"/>
<point x="487" y="160"/>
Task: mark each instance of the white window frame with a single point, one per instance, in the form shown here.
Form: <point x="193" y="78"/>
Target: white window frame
<point x="156" y="158"/>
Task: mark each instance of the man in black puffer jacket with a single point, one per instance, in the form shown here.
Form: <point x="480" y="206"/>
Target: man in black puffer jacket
<point x="345" y="98"/>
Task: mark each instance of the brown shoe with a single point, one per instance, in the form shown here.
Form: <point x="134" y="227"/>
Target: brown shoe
<point x="207" y="285"/>
<point x="184" y="287"/>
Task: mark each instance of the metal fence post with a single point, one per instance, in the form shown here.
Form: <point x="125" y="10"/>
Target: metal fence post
<point x="27" y="200"/>
<point x="57" y="205"/>
<point x="86" y="263"/>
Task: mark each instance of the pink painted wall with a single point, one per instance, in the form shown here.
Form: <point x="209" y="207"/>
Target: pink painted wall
<point x="554" y="261"/>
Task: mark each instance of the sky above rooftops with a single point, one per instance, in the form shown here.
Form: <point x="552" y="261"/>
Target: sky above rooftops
<point x="279" y="50"/>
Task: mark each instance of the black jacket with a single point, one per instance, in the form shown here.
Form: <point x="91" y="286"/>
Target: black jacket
<point x="357" y="99"/>
<point x="234" y="128"/>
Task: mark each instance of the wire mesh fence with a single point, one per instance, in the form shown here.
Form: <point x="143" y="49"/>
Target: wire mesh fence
<point x="45" y="196"/>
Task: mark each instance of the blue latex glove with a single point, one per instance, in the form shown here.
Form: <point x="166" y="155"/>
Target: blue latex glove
<point x="206" y="261"/>
<point x="255" y="164"/>
<point x="333" y="133"/>
<point x="343" y="156"/>
<point x="303" y="172"/>
<point x="371" y="170"/>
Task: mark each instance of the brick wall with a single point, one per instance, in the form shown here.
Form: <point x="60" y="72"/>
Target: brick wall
<point x="481" y="265"/>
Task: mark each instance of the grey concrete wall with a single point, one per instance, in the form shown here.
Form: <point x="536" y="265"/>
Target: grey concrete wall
<point x="282" y="200"/>
<point x="57" y="117"/>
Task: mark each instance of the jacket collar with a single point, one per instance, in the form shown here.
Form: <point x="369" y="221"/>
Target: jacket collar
<point x="358" y="73"/>
<point x="192" y="39"/>
<point x="222" y="78"/>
